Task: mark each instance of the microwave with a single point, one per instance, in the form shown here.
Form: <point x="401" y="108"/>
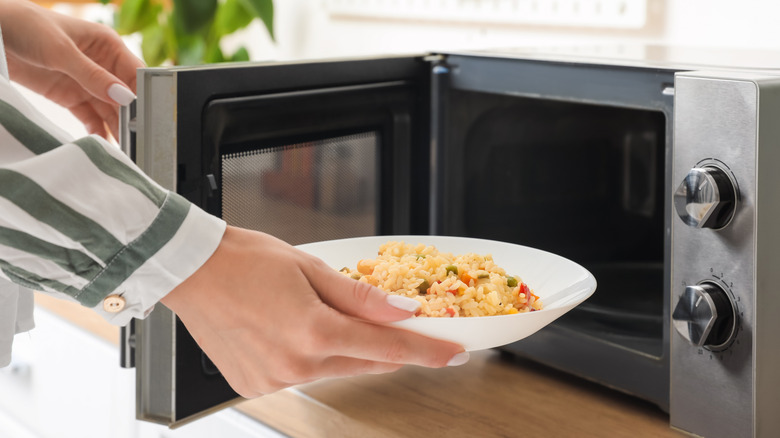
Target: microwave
<point x="656" y="174"/>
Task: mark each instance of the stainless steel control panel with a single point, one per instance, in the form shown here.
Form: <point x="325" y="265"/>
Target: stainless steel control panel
<point x="720" y="295"/>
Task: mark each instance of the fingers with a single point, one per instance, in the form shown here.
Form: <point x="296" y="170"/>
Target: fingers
<point x="93" y="113"/>
<point x="364" y="339"/>
<point x="331" y="367"/>
<point x="95" y="57"/>
<point x="88" y="60"/>
<point x="357" y="298"/>
<point x="288" y="365"/>
<point x="339" y="366"/>
<point x="299" y="372"/>
<point x="380" y="343"/>
<point x="102" y="44"/>
<point x="97" y="81"/>
<point x="124" y="65"/>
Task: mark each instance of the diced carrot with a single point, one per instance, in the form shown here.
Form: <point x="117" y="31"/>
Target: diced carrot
<point x="366" y="267"/>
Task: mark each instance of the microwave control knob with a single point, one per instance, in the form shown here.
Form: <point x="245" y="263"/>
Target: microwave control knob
<point x="707" y="198"/>
<point x="705" y="316"/>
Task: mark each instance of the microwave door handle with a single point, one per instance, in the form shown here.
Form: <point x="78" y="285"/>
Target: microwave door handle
<point x="127" y="129"/>
<point x="127" y="345"/>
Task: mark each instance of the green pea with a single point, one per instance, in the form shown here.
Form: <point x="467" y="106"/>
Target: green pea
<point x="451" y="269"/>
<point x="511" y="281"/>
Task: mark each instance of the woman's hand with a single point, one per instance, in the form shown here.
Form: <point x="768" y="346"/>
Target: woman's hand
<point x="83" y="66"/>
<point x="270" y="316"/>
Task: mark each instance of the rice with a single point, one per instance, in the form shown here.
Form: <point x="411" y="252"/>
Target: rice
<point x="444" y="284"/>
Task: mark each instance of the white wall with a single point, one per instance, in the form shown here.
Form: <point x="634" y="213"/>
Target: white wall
<point x="723" y="23"/>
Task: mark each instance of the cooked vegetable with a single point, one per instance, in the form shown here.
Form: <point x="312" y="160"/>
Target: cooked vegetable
<point x="423" y="287"/>
<point x="524" y="289"/>
<point x="366" y="267"/>
<point x="466" y="279"/>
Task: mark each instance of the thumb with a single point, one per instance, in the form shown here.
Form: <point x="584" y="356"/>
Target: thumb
<point x="357" y="298"/>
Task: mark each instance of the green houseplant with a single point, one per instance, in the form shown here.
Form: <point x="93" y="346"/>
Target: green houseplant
<point x="188" y="32"/>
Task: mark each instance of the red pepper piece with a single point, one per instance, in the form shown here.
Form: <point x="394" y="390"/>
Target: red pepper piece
<point x="527" y="291"/>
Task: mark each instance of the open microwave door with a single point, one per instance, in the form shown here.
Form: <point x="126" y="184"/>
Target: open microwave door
<point x="304" y="151"/>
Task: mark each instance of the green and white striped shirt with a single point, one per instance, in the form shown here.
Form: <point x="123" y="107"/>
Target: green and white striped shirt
<point x="78" y="219"/>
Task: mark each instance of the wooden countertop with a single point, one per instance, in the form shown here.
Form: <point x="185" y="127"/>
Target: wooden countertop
<point x="490" y="396"/>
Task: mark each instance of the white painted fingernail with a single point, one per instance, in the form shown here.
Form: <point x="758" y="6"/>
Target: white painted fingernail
<point x="403" y="303"/>
<point x="458" y="359"/>
<point x="121" y="94"/>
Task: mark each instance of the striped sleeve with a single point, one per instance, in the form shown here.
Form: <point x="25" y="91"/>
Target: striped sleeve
<point x="79" y="219"/>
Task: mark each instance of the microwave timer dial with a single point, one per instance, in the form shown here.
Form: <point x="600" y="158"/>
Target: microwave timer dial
<point x="705" y="316"/>
<point x="707" y="197"/>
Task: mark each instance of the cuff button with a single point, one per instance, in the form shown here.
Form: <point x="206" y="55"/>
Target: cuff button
<point x="113" y="303"/>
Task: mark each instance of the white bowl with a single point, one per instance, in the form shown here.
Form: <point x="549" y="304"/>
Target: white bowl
<point x="560" y="283"/>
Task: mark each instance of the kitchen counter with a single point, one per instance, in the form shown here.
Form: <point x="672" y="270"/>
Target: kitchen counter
<point x="491" y="395"/>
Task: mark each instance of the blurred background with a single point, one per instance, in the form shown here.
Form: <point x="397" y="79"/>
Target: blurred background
<point x="325" y="28"/>
<point x="309" y="29"/>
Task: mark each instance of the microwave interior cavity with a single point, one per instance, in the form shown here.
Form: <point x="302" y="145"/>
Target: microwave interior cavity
<point x="582" y="180"/>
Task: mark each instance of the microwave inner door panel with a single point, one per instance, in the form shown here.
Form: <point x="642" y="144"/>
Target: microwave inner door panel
<point x="566" y="157"/>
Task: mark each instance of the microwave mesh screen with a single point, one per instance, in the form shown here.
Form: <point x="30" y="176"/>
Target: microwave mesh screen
<point x="304" y="192"/>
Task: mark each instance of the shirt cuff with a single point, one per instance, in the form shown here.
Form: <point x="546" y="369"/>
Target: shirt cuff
<point x="188" y="249"/>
